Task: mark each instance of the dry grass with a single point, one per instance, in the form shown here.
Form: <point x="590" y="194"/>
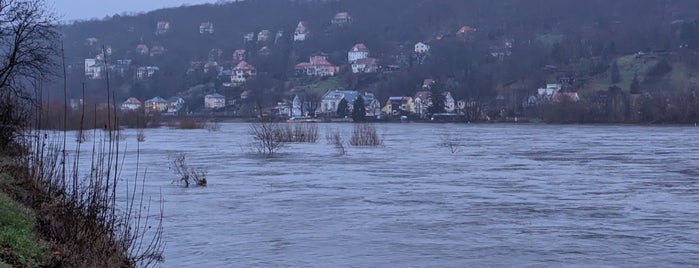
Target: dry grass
<point x="298" y="132"/>
<point x="365" y="135"/>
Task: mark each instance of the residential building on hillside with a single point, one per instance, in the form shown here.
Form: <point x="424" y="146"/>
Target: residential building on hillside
<point x="264" y="36"/>
<point x="317" y="66"/>
<point x="206" y="28"/>
<point x="214" y="101"/>
<point x="242" y="72"/>
<point x="94" y="69"/>
<point x="162" y="27"/>
<point x="341" y="19"/>
<point x="249" y="37"/>
<point x="157" y="50"/>
<point x="358" y="51"/>
<point x="142" y="49"/>
<point x="421" y="48"/>
<point x="330" y="101"/>
<point x="302" y="31"/>
<point x="399" y="105"/>
<point x="145" y="72"/>
<point x="365" y="65"/>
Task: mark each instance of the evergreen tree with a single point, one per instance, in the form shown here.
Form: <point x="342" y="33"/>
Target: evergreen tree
<point x="635" y="87"/>
<point x="615" y="76"/>
<point x="342" y="108"/>
<point x="359" y="110"/>
<point x="438" y="101"/>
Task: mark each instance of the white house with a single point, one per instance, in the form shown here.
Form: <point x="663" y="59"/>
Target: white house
<point x="302" y="31"/>
<point x="421" y="48"/>
<point x="341" y="19"/>
<point x="131" y="104"/>
<point x="146" y="72"/>
<point x="162" y="27"/>
<point x="94" y="69"/>
<point x="365" y="65"/>
<point x="264" y="36"/>
<point x="242" y="72"/>
<point x="358" y="51"/>
<point x="175" y="104"/>
<point x="423" y="100"/>
<point x="548" y="92"/>
<point x="206" y="28"/>
<point x="214" y="101"/>
<point x="156" y="104"/>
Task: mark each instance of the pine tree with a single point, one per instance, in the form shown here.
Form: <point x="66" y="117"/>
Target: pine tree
<point x="358" y="110"/>
<point x="342" y="108"/>
<point x="438" y="100"/>
<point x="635" y="87"/>
<point x="615" y="76"/>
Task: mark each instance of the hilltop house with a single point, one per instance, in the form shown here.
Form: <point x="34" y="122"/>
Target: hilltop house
<point x="365" y="65"/>
<point x="421" y="48"/>
<point x="94" y="69"/>
<point x="120" y="67"/>
<point x="464" y="31"/>
<point x="264" y="36"/>
<point x="214" y="101"/>
<point x="206" y="28"/>
<point x="142" y="49"/>
<point x="341" y="19"/>
<point x="358" y="51"/>
<point x="162" y="27"/>
<point x="145" y="72"/>
<point x="302" y="31"/>
<point x="249" y="37"/>
<point x="242" y="72"/>
<point x="157" y="50"/>
<point x="156" y="104"/>
<point x="317" y="66"/>
<point x="131" y="104"/>
<point x="265" y="51"/>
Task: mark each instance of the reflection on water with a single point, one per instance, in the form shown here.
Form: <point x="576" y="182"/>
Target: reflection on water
<point x="514" y="195"/>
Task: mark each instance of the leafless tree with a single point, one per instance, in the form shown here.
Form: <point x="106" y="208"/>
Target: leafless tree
<point x="28" y="42"/>
<point x="266" y="137"/>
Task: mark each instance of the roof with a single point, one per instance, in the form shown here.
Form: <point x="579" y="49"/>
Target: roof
<point x="319" y="60"/>
<point x="302" y="65"/>
<point x="214" y="96"/>
<point x="360" y="47"/>
<point x="132" y="100"/>
<point x="342" y="16"/>
<point x="338" y="94"/>
<point x="156" y="100"/>
<point x="243" y="65"/>
<point x="465" y="29"/>
<point x="428" y="82"/>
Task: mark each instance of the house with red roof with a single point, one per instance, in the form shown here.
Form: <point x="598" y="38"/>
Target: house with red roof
<point x="317" y="66"/>
<point x="242" y="72"/>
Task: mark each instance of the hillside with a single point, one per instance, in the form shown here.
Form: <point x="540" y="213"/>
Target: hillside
<point x="509" y="48"/>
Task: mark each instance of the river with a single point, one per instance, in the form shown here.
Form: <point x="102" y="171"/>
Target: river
<point x="511" y="195"/>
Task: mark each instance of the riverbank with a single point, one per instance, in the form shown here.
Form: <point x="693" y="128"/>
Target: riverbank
<point x="38" y="229"/>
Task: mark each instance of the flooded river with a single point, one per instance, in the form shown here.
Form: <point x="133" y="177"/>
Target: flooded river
<point x="511" y="195"/>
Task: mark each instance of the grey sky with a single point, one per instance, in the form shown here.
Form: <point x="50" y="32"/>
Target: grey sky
<point x="88" y="9"/>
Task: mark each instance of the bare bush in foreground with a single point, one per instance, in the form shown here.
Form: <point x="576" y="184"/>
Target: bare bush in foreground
<point x="335" y="138"/>
<point x="267" y="137"/>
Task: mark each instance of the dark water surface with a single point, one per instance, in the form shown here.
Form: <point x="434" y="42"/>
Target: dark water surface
<point x="513" y="195"/>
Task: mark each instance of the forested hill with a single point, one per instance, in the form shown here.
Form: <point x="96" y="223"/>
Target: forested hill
<point x="511" y="48"/>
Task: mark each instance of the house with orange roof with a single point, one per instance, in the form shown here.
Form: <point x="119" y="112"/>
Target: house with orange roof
<point x="242" y="72"/>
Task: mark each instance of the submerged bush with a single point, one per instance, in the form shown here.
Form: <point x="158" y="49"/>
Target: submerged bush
<point x="187" y="175"/>
<point x="365" y="135"/>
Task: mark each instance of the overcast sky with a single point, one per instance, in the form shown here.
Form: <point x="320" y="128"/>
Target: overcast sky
<point x="88" y="9"/>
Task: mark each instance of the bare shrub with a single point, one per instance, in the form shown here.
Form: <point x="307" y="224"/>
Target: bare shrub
<point x="188" y="122"/>
<point x="213" y="126"/>
<point x="140" y="135"/>
<point x="298" y="133"/>
<point x="267" y="137"/>
<point x="365" y="135"/>
<point x="452" y="143"/>
<point x="187" y="175"/>
<point x="335" y="138"/>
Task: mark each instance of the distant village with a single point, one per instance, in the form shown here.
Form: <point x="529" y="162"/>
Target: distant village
<point x="300" y="106"/>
